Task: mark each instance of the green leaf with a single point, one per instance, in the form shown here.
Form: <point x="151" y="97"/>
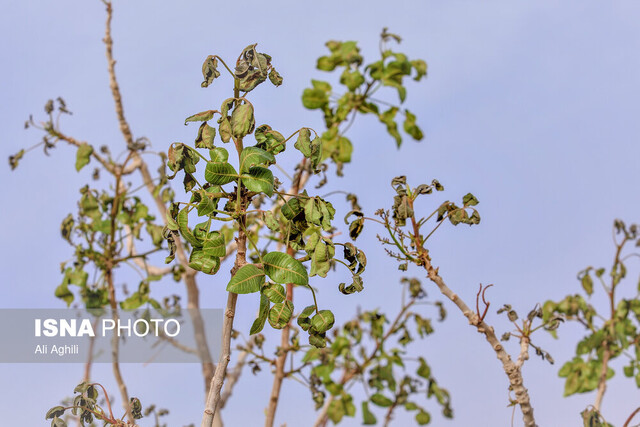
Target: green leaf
<point x="175" y="157"/>
<point x="292" y="208"/>
<point x="219" y="155"/>
<point x="628" y="371"/>
<point x="220" y="173"/>
<point x="316" y="152"/>
<point x="248" y="279"/>
<point x="225" y="130"/>
<point x="205" y="137"/>
<point x="421" y="68"/>
<point x="56" y="411"/>
<point x="275" y="77"/>
<point x="275" y="292"/>
<point x="198" y="260"/>
<point x="227" y="105"/>
<point x="283" y="268"/>
<point x="388" y="118"/>
<point x="410" y="126"/>
<point x="269" y="139"/>
<point x="381" y="400"/>
<point x="469" y="200"/>
<point x="336" y="411"/>
<point x="280" y="314"/>
<point x="423" y="418"/>
<point x="345" y="148"/>
<point x="356" y="227"/>
<point x="214" y="244"/>
<point x="206" y="206"/>
<point x="252" y="156"/>
<point x="312" y="211"/>
<point x="322" y="85"/>
<point x="321" y="255"/>
<point x="183" y="224"/>
<point x="314" y="98"/>
<point x="410" y="406"/>
<point x="82" y="387"/>
<point x="311" y="355"/>
<point x="587" y="283"/>
<point x="210" y="70"/>
<point x="134" y="301"/>
<point x="63" y="292"/>
<point x="15" y="159"/>
<point x="83" y="155"/>
<point x="242" y="121"/>
<point x="326" y="63"/>
<point x="424" y="370"/>
<point x="368" y="418"/>
<point x="317" y="340"/>
<point x="270" y="221"/>
<point x="351" y="79"/>
<point x="303" y="318"/>
<point x="200" y="117"/>
<point x="322" y="321"/>
<point x="259" y="179"/>
<point x="251" y="68"/>
<point x="572" y="384"/>
<point x="263" y="312"/>
<point x="303" y="143"/>
<point x="58" y="422"/>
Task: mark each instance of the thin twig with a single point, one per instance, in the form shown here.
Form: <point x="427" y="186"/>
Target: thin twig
<point x="633" y="414"/>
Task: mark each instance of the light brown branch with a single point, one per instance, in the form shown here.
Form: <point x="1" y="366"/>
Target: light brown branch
<point x="115" y="340"/>
<point x="323" y="415"/>
<point x="232" y="378"/>
<point x="113" y="82"/>
<point x="108" y="165"/>
<point x="189" y="275"/>
<point x="513" y="371"/>
<point x="213" y="397"/>
<point x="510" y="368"/>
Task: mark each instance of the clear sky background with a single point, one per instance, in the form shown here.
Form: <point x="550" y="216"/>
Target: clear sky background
<point x="531" y="106"/>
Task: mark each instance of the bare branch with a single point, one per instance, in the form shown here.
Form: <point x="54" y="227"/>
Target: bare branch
<point x="193" y="298"/>
<point x="510" y="368"/>
<point x="232" y="378"/>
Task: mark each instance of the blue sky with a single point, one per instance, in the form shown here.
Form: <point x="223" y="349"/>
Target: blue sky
<point x="532" y="107"/>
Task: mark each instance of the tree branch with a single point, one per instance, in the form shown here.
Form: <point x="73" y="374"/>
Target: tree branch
<point x="512" y="370"/>
<point x="233" y="377"/>
<point x="284" y="338"/>
<point x="193" y="299"/>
